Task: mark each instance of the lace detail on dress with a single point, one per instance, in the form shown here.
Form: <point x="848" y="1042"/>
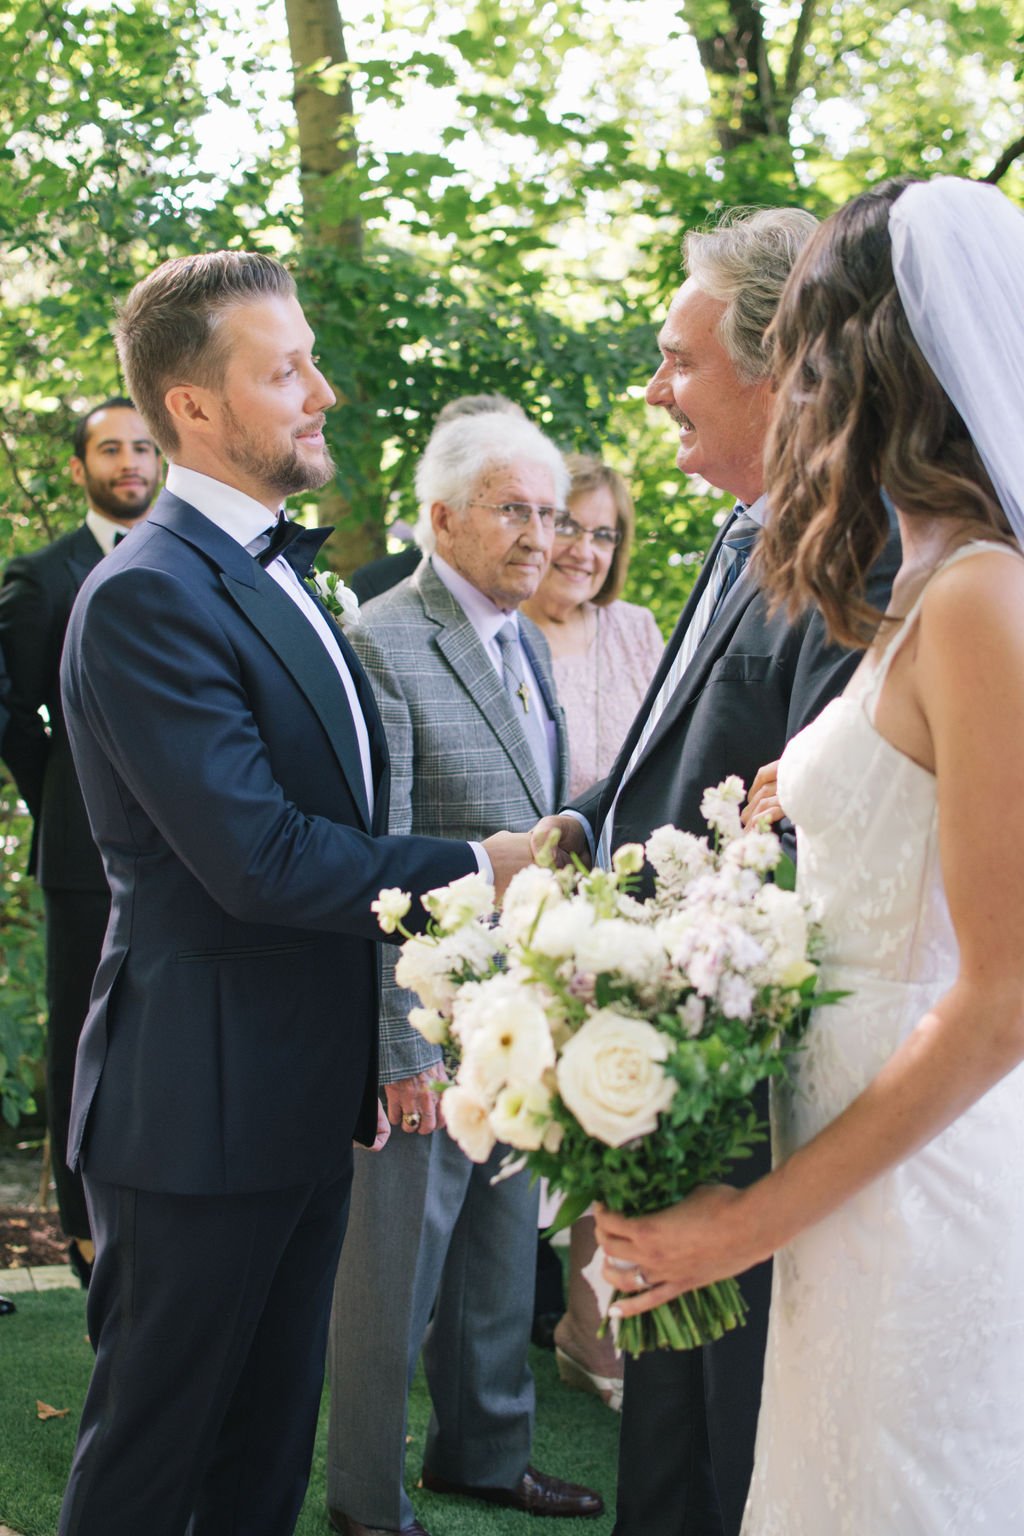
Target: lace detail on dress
<point x="893" y="1401"/>
<point x="602" y="689"/>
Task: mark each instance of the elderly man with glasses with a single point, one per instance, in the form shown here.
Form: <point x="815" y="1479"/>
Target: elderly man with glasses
<point x="477" y="744"/>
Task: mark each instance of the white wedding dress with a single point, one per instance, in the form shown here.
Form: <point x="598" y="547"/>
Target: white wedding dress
<point x="893" y="1399"/>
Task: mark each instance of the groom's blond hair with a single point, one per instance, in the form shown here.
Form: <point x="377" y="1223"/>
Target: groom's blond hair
<point x="168" y="328"/>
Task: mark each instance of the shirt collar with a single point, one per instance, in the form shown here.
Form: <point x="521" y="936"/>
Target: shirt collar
<point x="486" y="617"/>
<point x="104" y="530"/>
<point x="231" y="509"/>
<point x="758" y="511"/>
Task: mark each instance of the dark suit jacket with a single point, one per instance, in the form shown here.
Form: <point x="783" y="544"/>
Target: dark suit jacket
<point x="231" y="1043"/>
<point x="753" y="683"/>
<point x="35" y="604"/>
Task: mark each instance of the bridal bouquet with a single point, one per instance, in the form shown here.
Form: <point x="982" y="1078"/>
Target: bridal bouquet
<point x="614" y="1044"/>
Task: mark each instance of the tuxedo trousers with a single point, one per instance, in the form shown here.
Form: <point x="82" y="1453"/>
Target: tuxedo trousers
<point x="689" y="1417"/>
<point x="436" y="1257"/>
<point x="209" y="1319"/>
<point x="75" y="924"/>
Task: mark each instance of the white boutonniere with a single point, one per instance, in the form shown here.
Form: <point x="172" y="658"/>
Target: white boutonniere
<point x="339" y="599"/>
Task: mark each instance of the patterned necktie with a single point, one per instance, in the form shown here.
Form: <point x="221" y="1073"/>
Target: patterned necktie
<point x="299" y="546"/>
<point x="527" y="706"/>
<point x="733" y="554"/>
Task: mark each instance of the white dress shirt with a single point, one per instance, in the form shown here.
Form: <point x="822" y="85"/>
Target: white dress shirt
<point x="758" y="512"/>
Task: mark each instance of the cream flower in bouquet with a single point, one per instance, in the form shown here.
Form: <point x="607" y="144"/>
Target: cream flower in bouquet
<point x="613" y="1044"/>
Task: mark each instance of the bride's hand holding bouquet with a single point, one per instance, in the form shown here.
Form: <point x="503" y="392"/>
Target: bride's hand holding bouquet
<point x="614" y="1044"/>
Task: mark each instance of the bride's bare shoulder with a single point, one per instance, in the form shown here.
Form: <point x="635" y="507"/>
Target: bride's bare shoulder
<point x="976" y="601"/>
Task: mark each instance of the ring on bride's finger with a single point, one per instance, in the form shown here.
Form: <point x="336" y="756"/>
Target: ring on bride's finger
<point x="640" y="1279"/>
<point x="411" y="1119"/>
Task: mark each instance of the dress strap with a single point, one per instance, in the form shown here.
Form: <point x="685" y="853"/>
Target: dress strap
<point x="906" y="624"/>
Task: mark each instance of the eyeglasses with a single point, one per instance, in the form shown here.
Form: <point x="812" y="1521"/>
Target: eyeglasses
<point x="567" y="527"/>
<point x="517" y="514"/>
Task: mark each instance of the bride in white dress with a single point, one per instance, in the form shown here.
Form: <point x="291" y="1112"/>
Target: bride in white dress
<point x="893" y="1401"/>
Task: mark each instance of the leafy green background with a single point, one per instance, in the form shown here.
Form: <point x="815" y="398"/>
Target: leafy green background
<point x="530" y="247"/>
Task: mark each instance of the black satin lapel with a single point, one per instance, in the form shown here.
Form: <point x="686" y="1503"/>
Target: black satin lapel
<point x="301" y="650"/>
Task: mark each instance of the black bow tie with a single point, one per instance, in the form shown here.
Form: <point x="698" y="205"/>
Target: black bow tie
<point x="299" y="546"/>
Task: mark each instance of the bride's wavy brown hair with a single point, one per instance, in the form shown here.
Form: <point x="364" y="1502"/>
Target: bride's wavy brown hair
<point x="857" y="410"/>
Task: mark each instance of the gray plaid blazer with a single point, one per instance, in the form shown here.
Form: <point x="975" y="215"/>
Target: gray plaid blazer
<point x="461" y="766"/>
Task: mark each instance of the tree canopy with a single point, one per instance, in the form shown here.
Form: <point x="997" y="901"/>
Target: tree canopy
<point x="475" y="195"/>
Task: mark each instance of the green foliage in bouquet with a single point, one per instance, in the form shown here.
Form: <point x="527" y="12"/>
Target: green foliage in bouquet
<point x="615" y="1044"/>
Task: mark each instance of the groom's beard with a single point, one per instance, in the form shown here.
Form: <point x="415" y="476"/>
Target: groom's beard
<point x="282" y="470"/>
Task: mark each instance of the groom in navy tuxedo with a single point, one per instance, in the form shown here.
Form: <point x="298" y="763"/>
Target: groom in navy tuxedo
<point x="236" y="778"/>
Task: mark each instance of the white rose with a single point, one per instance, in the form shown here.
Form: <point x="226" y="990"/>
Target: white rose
<point x="468" y="1122"/>
<point x="510" y="1042"/>
<point x="610" y="1077"/>
<point x="391" y="906"/>
<point x="522" y="1115"/>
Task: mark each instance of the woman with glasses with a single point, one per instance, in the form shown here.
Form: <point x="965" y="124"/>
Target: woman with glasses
<point x="604" y="653"/>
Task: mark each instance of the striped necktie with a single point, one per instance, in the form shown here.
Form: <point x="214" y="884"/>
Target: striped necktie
<point x="733" y="554"/>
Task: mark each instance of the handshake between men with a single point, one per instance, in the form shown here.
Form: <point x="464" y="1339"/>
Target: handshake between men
<point x="509" y="852"/>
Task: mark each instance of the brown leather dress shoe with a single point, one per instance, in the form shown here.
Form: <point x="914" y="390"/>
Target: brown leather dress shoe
<point x="535" y="1494"/>
<point x="339" y="1521"/>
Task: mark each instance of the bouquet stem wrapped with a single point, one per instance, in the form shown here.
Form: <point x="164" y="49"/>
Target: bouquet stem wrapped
<point x="614" y="1044"/>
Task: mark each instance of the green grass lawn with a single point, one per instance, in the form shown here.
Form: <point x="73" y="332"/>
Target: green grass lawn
<point x="44" y="1355"/>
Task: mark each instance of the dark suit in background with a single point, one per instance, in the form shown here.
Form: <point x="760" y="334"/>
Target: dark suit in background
<point x="35" y="604"/>
<point x="690" y="1418"/>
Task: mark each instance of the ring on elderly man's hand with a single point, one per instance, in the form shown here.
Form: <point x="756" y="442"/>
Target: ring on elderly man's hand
<point x="411" y="1119"/>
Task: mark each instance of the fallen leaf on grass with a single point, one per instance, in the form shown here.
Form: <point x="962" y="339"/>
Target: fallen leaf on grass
<point x="44" y="1411"/>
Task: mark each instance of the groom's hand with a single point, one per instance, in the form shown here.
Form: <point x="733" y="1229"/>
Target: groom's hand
<point x="571" y="840"/>
<point x="509" y="852"/>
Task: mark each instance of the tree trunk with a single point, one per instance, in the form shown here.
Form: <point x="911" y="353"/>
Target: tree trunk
<point x="332" y="227"/>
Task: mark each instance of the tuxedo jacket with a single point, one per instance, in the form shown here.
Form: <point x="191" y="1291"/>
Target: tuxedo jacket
<point x="231" y="1041"/>
<point x="460" y="761"/>
<point x="753" y="682"/>
<point x="35" y="605"/>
